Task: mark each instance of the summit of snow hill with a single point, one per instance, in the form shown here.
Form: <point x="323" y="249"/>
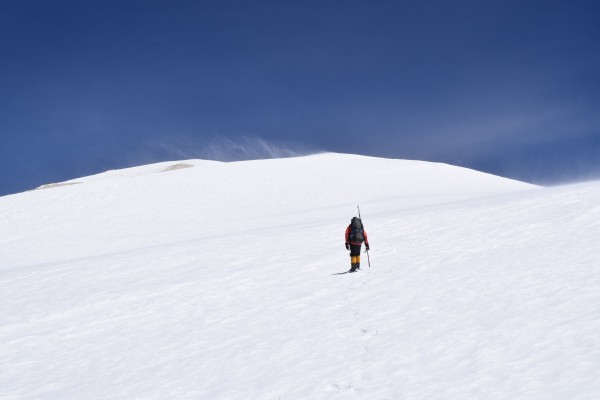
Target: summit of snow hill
<point x="415" y="176"/>
<point x="208" y="280"/>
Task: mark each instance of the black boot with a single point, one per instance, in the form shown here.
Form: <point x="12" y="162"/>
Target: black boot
<point x="353" y="268"/>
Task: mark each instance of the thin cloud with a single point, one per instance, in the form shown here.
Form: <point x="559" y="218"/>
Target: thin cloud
<point x="220" y="148"/>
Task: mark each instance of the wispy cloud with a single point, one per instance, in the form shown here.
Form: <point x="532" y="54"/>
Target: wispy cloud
<point x="220" y="148"/>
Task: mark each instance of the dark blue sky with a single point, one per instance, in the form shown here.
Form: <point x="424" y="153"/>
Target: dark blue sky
<point x="508" y="87"/>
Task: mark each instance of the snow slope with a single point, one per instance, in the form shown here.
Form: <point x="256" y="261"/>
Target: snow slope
<point x="208" y="280"/>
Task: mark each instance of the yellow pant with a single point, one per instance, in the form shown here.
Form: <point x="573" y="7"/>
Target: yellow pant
<point x="355" y="259"/>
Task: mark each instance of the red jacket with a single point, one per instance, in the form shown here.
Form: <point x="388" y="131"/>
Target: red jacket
<point x="349" y="229"/>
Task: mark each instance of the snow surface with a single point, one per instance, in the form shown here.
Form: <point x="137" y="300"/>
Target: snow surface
<point x="217" y="281"/>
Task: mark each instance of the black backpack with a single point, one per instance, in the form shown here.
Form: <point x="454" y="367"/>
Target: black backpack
<point x="357" y="232"/>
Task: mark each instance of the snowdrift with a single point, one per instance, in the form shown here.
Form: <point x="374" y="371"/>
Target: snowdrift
<point x="209" y="280"/>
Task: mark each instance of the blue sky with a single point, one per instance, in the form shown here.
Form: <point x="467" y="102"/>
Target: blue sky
<point x="507" y="87"/>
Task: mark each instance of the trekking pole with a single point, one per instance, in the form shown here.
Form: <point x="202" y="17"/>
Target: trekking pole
<point x="367" y="251"/>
